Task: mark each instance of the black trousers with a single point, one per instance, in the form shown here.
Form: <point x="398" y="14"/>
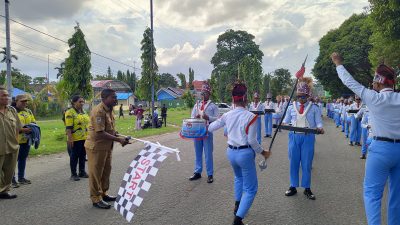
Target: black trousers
<point x="164" y="118"/>
<point x="78" y="155"/>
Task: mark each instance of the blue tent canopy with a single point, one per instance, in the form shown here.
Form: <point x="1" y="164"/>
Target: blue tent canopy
<point x="123" y="96"/>
<point x="17" y="91"/>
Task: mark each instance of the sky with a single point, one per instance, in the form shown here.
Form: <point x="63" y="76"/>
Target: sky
<point x="185" y="31"/>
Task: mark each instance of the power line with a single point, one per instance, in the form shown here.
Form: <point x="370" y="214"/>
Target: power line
<point x="56" y="38"/>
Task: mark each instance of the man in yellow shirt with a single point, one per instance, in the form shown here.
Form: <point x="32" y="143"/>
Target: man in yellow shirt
<point x="26" y="117"/>
<point x="9" y="129"/>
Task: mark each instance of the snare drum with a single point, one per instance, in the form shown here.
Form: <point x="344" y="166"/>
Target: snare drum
<point x="193" y="128"/>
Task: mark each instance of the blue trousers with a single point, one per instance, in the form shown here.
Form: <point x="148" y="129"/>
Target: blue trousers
<point x="383" y="162"/>
<point x="268" y="123"/>
<point x="301" y="151"/>
<point x="347" y="128"/>
<point x="259" y="129"/>
<point x="355" y="130"/>
<point x="337" y="119"/>
<point x="22" y="156"/>
<point x="343" y="122"/>
<point x="364" y="137"/>
<point x="246" y="182"/>
<point x="205" y="145"/>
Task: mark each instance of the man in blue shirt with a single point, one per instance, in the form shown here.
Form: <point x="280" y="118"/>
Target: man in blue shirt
<point x="383" y="159"/>
<point x="301" y="145"/>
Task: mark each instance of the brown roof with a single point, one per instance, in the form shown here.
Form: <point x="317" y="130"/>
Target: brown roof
<point x="198" y="84"/>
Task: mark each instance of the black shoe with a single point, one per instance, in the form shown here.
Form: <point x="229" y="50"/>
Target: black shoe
<point x="195" y="176"/>
<point x="351" y="143"/>
<point x="358" y="143"/>
<point x="237" y="221"/>
<point x="309" y="194"/>
<point x="210" y="179"/>
<point x="109" y="198"/>
<point x="267" y="136"/>
<point x="292" y="191"/>
<point x="24" y="181"/>
<point x="83" y="175"/>
<point x="363" y="156"/>
<point x="14" y="184"/>
<point x="102" y="205"/>
<point x="7" y="195"/>
<point x="237" y="203"/>
<point x="74" y="178"/>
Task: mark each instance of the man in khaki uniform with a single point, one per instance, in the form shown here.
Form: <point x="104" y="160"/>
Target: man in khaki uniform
<point x="99" y="145"/>
<point x="9" y="129"/>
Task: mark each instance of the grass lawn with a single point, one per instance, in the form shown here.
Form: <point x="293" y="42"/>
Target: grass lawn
<point x="54" y="138"/>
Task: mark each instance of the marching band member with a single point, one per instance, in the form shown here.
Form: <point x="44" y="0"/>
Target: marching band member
<point x="277" y="116"/>
<point x="268" y="116"/>
<point x="366" y="130"/>
<point x="257" y="106"/>
<point x="242" y="149"/>
<point x="355" y="128"/>
<point x="301" y="145"/>
<point x="208" y="111"/>
<point x="343" y="116"/>
<point x="383" y="159"/>
<point x="347" y="118"/>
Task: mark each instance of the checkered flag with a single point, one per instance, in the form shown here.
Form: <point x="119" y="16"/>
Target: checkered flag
<point x="137" y="179"/>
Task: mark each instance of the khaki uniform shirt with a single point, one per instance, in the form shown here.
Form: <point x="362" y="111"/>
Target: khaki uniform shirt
<point x="9" y="128"/>
<point x="101" y="119"/>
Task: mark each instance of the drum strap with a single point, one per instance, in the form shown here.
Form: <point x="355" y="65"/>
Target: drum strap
<point x="251" y="122"/>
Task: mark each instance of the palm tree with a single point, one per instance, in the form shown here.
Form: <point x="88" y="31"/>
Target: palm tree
<point x="4" y="53"/>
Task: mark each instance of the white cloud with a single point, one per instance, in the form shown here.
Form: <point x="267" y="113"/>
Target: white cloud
<point x="186" y="31"/>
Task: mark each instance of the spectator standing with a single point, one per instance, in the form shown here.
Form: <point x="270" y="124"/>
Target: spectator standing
<point x="164" y="115"/>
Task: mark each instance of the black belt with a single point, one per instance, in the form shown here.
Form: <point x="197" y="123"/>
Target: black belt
<point x="239" y="147"/>
<point x="386" y="139"/>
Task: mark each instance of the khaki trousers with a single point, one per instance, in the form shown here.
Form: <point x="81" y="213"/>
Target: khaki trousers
<point x="99" y="163"/>
<point x="7" y="168"/>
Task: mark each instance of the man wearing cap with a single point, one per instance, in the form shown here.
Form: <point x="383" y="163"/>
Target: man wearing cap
<point x="9" y="131"/>
<point x="301" y="145"/>
<point x="256" y="106"/>
<point x="383" y="159"/>
<point x="26" y="117"/>
<point x="208" y="111"/>
<point x="268" y="104"/>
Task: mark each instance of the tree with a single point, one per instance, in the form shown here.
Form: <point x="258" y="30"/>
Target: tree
<point x="250" y="71"/>
<point x="76" y="77"/>
<point x="385" y="21"/>
<point x="351" y="39"/>
<point x="60" y="70"/>
<point x="281" y="82"/>
<point x="110" y="75"/>
<point x="232" y="48"/>
<point x="131" y="80"/>
<point x="121" y="76"/>
<point x="167" y="80"/>
<point x="19" y="79"/>
<point x="191" y="78"/>
<point x="147" y="74"/>
<point x="40" y="80"/>
<point x="182" y="77"/>
<point x="4" y="53"/>
<point x="189" y="99"/>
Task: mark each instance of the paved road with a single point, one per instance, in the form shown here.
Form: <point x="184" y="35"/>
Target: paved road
<point x="337" y="183"/>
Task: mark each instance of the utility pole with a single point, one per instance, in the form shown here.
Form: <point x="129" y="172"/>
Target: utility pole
<point x="152" y="63"/>
<point x="48" y="69"/>
<point x="8" y="49"/>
